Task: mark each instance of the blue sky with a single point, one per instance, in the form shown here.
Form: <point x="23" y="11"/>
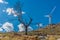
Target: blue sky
<point x="37" y="9"/>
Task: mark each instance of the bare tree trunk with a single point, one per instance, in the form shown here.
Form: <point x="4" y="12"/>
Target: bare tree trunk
<point x="26" y="30"/>
<point x="18" y="8"/>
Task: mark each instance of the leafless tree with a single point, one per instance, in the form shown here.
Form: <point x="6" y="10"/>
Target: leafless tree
<point x="18" y="8"/>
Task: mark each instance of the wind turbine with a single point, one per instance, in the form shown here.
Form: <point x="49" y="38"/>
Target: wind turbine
<point x="50" y="16"/>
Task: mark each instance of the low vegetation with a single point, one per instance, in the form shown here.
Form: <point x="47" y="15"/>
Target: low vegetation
<point x="53" y="29"/>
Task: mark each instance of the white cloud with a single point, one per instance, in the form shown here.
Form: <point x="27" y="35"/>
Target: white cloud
<point x="1" y="29"/>
<point x="23" y="12"/>
<point x="22" y="28"/>
<point x="40" y="25"/>
<point x="1" y="1"/>
<point x="30" y="28"/>
<point x="8" y="27"/>
<point x="11" y="11"/>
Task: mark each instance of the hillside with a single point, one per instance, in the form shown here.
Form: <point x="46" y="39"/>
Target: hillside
<point x="49" y="29"/>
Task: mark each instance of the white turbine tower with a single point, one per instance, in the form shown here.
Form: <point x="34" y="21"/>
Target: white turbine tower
<point x="49" y="15"/>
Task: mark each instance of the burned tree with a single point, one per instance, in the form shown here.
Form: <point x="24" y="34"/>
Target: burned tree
<point x="18" y="12"/>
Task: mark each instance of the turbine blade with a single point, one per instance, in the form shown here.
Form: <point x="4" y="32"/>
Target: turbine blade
<point x="53" y="10"/>
<point x="47" y="16"/>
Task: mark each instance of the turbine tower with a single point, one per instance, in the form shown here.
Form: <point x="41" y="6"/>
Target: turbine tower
<point x="50" y="16"/>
